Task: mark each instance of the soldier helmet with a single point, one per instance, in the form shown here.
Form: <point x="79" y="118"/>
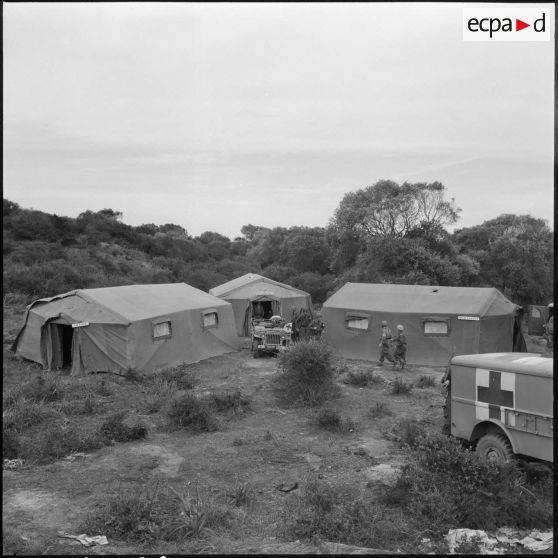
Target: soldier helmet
<point x="384" y="323"/>
<point x="400" y="327"/>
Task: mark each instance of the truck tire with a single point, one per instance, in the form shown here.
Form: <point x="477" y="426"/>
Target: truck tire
<point x="495" y="447"/>
<point x="255" y="350"/>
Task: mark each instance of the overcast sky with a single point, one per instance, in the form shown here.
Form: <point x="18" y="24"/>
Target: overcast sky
<point x="213" y="116"/>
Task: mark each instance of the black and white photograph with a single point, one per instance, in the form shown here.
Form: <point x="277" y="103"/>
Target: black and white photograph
<point x="278" y="278"/>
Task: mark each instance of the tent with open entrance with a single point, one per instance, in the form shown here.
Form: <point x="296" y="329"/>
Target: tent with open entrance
<point x="132" y="327"/>
<point x="439" y="321"/>
<point x="253" y="293"/>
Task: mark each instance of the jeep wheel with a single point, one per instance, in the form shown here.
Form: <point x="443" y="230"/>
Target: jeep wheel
<point x="495" y="448"/>
<point x="255" y="350"/>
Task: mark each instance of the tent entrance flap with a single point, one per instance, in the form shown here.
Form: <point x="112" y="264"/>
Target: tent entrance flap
<point x="58" y="339"/>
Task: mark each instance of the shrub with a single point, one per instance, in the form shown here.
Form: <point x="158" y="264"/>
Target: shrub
<point x="407" y="432"/>
<point x="327" y="512"/>
<point x="103" y="389"/>
<point x="114" y="429"/>
<point x="358" y="378"/>
<point x="189" y="411"/>
<point x="400" y="386"/>
<point x="10" y="443"/>
<point x="379" y="409"/>
<point x="329" y="419"/>
<point x="306" y="373"/>
<point x="233" y="400"/>
<point x="59" y="440"/>
<point x="424" y="381"/>
<point x="132" y="375"/>
<point x="450" y="486"/>
<point x="44" y="388"/>
<point x="241" y="495"/>
<point x="180" y="376"/>
<point x="23" y="413"/>
<point x="162" y="391"/>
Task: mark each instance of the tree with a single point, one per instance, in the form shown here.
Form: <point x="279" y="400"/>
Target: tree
<point x="387" y="209"/>
<point x="515" y="254"/>
<point x="250" y="231"/>
<point x="306" y="249"/>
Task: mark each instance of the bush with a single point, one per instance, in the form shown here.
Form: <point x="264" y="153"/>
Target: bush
<point x="44" y="388"/>
<point x="358" y="378"/>
<point x="407" y="432"/>
<point x="189" y="411"/>
<point x="329" y="419"/>
<point x="114" y="429"/>
<point x="425" y="381"/>
<point x="450" y="486"/>
<point x="233" y="400"/>
<point x="10" y="443"/>
<point x="59" y="440"/>
<point x="327" y="512"/>
<point x="306" y="374"/>
<point x="379" y="409"/>
<point x="180" y="376"/>
<point x="400" y="386"/>
<point x="156" y="514"/>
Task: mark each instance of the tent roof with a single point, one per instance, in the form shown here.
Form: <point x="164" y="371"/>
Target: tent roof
<point x="137" y="302"/>
<point x="252" y="284"/>
<point x="421" y="299"/>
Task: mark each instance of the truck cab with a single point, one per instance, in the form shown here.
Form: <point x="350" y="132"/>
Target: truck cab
<point x="503" y="403"/>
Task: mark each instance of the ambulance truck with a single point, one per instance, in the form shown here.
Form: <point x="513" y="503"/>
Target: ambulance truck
<point x="503" y="403"/>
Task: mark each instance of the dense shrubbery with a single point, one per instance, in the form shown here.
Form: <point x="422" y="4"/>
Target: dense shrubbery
<point x="443" y="485"/>
<point x="453" y="487"/>
<point x="366" y="241"/>
<point x="306" y="373"/>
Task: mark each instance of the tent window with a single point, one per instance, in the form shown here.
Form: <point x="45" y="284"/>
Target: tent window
<point x="535" y="313"/>
<point x="162" y="330"/>
<point x="359" y="323"/>
<point x="435" y="327"/>
<point x="210" y="320"/>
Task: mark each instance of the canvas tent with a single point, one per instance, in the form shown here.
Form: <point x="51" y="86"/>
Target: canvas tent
<point x="438" y="321"/>
<point x="132" y="327"/>
<point x="245" y="292"/>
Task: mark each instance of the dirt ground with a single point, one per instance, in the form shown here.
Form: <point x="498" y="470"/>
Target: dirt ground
<point x="269" y="445"/>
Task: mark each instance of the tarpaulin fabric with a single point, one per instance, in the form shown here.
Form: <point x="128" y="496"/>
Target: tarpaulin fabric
<point x="113" y="329"/>
<point x="472" y="320"/>
<point x="243" y="291"/>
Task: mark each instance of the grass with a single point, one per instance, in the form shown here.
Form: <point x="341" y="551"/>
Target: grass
<point x="400" y="387"/>
<point x="450" y="487"/>
<point x="379" y="409"/>
<point x="158" y="513"/>
<point x="363" y="378"/>
<point x="195" y="413"/>
<point x="180" y="376"/>
<point x="331" y="420"/>
<point x="425" y="381"/>
<point x="114" y="429"/>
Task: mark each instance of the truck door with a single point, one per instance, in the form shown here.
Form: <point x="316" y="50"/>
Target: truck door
<point x="536" y="318"/>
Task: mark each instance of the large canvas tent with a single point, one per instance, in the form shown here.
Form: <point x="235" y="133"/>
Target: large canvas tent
<point x="132" y="327"/>
<point x="438" y="321"/>
<point x="276" y="298"/>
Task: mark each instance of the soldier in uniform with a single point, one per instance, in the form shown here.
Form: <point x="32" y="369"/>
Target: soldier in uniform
<point x="385" y="341"/>
<point x="400" y="348"/>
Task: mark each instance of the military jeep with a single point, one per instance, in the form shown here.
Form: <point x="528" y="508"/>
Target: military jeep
<point x="270" y="336"/>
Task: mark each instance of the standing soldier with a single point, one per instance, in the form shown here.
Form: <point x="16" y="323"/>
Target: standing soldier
<point x="385" y="340"/>
<point x="400" y="348"/>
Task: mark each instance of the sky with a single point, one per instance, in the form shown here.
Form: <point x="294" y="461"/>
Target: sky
<point x="214" y="116"/>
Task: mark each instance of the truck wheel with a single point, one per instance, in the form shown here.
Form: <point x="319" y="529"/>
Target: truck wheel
<point x="495" y="448"/>
<point x="255" y="350"/>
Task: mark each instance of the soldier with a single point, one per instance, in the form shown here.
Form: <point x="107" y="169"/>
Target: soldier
<point x="400" y="348"/>
<point x="385" y="340"/>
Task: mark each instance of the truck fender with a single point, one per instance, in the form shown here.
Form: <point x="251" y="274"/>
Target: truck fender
<point x="487" y="426"/>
